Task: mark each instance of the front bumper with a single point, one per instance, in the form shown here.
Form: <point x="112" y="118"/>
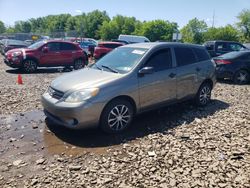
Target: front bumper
<point x="72" y="115"/>
<point x="14" y="63"/>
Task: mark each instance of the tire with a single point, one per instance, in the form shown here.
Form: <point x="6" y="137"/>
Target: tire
<point x="203" y="96"/>
<point x="78" y="64"/>
<point x="29" y="66"/>
<point x="116" y="116"/>
<point x="241" y="77"/>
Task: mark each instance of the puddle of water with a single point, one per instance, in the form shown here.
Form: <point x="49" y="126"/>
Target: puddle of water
<point x="30" y="133"/>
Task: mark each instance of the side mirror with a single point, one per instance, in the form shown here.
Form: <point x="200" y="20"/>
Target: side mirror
<point x="146" y="70"/>
<point x="45" y="49"/>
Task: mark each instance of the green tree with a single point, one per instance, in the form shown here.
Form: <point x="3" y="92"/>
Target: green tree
<point x="244" y="24"/>
<point x="194" y="31"/>
<point x="2" y="27"/>
<point x="118" y="25"/>
<point x="228" y="33"/>
<point x="93" y="22"/>
<point x="157" y="30"/>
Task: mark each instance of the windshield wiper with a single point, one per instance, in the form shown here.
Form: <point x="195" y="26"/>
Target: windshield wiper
<point x="98" y="67"/>
<point x="109" y="68"/>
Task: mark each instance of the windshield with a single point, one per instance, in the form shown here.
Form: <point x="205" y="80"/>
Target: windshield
<point x="36" y="45"/>
<point x="120" y="60"/>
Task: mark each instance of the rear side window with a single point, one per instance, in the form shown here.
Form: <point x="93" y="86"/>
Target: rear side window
<point x="67" y="46"/>
<point x="209" y="46"/>
<point x="160" y="60"/>
<point x="54" y="46"/>
<point x="184" y="56"/>
<point x="201" y="54"/>
<point x="111" y="45"/>
<point x="222" y="46"/>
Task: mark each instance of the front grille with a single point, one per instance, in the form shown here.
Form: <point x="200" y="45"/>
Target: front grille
<point x="55" y="93"/>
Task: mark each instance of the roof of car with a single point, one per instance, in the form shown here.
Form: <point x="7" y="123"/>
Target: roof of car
<point x="149" y="45"/>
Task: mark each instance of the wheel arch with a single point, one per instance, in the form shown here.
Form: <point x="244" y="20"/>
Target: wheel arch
<point x="31" y="58"/>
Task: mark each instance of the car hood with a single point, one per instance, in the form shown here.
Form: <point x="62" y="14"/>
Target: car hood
<point x="84" y="78"/>
<point x="20" y="49"/>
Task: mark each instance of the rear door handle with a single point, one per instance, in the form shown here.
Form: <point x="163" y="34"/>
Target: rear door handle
<point x="172" y="75"/>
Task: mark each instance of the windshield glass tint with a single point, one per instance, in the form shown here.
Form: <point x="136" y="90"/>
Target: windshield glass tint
<point x="36" y="45"/>
<point x="121" y="60"/>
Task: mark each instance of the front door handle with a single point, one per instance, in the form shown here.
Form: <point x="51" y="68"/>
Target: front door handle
<point x="172" y="75"/>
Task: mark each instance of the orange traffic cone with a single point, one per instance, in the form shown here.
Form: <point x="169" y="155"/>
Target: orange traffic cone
<point x="19" y="79"/>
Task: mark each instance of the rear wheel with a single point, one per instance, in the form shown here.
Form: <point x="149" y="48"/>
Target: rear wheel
<point x="203" y="96"/>
<point x="78" y="64"/>
<point x="241" y="77"/>
<point x="117" y="116"/>
<point x="29" y="66"/>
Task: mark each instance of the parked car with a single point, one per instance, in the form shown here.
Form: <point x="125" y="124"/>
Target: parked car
<point x="46" y="54"/>
<point x="105" y="47"/>
<point x="234" y="66"/>
<point x="131" y="79"/>
<point x="87" y="46"/>
<point x="122" y="41"/>
<point x="217" y="48"/>
<point x="133" y="38"/>
<point x="9" y="44"/>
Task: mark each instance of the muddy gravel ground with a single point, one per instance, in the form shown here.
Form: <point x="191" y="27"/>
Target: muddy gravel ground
<point x="177" y="146"/>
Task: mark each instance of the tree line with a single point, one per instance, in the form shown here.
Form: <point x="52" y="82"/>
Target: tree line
<point x="97" y="24"/>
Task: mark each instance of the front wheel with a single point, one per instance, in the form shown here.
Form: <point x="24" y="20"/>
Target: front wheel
<point x="203" y="96"/>
<point x="117" y="116"/>
<point x="241" y="77"/>
<point x="78" y="64"/>
<point x="29" y="66"/>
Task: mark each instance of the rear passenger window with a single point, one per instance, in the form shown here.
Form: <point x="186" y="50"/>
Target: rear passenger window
<point x="184" y="56"/>
<point x="222" y="46"/>
<point x="111" y="45"/>
<point x="67" y="46"/>
<point x="160" y="60"/>
<point x="53" y="46"/>
<point x="201" y="54"/>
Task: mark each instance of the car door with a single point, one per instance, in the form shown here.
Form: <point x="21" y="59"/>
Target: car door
<point x="52" y="56"/>
<point x="68" y="52"/>
<point x="160" y="85"/>
<point x="186" y="70"/>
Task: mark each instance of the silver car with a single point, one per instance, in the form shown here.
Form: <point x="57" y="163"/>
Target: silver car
<point x="130" y="80"/>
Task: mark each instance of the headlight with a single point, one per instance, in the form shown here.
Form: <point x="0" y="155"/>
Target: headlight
<point x="82" y="95"/>
<point x="15" y="54"/>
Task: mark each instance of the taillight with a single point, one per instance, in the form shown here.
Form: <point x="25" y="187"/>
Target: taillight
<point x="222" y="62"/>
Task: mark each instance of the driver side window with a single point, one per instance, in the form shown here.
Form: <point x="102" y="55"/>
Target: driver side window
<point x="160" y="60"/>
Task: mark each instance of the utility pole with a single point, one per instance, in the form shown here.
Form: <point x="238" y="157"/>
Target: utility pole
<point x="213" y="18"/>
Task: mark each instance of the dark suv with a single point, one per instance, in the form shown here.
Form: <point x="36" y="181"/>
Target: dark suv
<point x="105" y="47"/>
<point x="46" y="54"/>
<point x="217" y="48"/>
